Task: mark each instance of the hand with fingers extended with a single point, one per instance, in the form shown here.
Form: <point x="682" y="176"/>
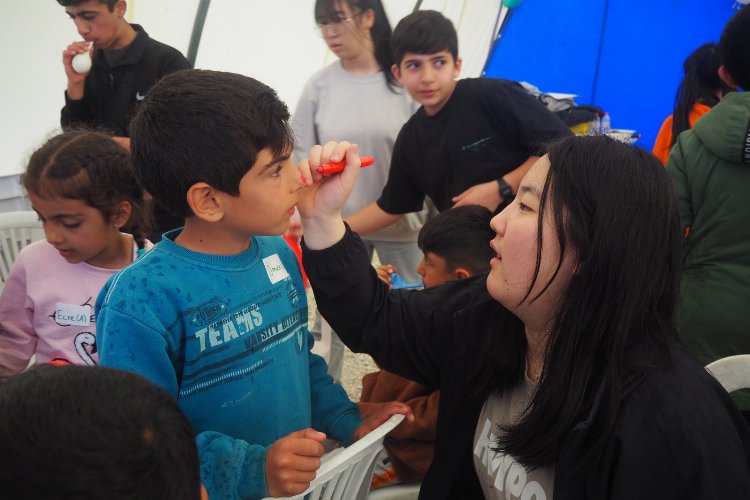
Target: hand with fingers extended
<point x="292" y="461"/>
<point x="485" y="194"/>
<point x="377" y="419"/>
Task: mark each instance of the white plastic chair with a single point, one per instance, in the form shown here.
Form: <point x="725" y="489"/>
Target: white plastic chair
<point x="732" y="372"/>
<point x="396" y="492"/>
<point x="17" y="229"/>
<point x="345" y="473"/>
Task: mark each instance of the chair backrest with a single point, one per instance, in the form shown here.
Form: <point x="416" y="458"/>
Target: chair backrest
<point x="17" y="229"/>
<point x="732" y="372"/>
<point x="345" y="473"/>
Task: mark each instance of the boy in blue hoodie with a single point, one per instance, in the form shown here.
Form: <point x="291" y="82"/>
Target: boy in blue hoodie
<point x="216" y="313"/>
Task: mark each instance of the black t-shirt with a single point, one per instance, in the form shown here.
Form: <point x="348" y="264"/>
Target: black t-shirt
<point x="487" y="128"/>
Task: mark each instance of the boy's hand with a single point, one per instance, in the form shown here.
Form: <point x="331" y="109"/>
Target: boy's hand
<point x="321" y="199"/>
<point x="291" y="462"/>
<point x="384" y="273"/>
<point x="75" y="79"/>
<point x="485" y="194"/>
<point x="375" y="420"/>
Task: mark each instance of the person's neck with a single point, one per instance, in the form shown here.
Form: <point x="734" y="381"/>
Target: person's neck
<point x="536" y="346"/>
<point x="211" y="238"/>
<point x="362" y="64"/>
<point x="118" y="254"/>
<point x="125" y="36"/>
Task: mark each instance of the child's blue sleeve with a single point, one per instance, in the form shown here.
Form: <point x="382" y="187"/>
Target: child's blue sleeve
<point x="332" y="411"/>
<point x="232" y="468"/>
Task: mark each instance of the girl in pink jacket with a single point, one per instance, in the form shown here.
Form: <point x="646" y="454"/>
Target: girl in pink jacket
<point x="81" y="185"/>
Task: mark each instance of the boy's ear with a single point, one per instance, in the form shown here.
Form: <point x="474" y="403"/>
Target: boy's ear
<point x="396" y="72"/>
<point x="120" y="7"/>
<point x="205" y="202"/>
<point x="461" y="273"/>
<point x="457" y="68"/>
<point x="726" y="77"/>
<point x="121" y="214"/>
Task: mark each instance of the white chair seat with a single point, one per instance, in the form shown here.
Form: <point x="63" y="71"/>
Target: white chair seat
<point x="396" y="492"/>
<point x="732" y="372"/>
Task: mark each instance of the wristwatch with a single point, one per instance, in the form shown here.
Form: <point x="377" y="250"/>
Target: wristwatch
<point x="506" y="192"/>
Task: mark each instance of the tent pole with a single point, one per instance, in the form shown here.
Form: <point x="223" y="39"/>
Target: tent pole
<point x="195" y="36"/>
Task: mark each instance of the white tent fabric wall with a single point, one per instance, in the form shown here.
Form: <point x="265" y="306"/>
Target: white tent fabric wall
<point x="274" y="41"/>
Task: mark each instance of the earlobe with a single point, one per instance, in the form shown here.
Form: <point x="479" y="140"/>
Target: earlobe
<point x="205" y="202"/>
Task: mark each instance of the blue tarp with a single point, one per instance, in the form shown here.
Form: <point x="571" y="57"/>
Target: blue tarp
<point x="624" y="56"/>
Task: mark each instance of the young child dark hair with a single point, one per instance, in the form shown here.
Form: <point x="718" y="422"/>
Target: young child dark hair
<point x="219" y="305"/>
<point x="456" y="245"/>
<point x="424" y="32"/>
<point x="461" y="237"/>
<point x="73" y="432"/>
<point x="82" y="186"/>
<point x="488" y="134"/>
<point x="733" y="48"/>
<point x="74" y="3"/>
<point x="169" y="157"/>
<point x="89" y="166"/>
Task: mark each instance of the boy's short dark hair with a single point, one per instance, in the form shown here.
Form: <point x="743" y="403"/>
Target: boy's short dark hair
<point x="204" y="126"/>
<point x="79" y="432"/>
<point x="734" y="47"/>
<point x="74" y="3"/>
<point x="461" y="236"/>
<point x="424" y="32"/>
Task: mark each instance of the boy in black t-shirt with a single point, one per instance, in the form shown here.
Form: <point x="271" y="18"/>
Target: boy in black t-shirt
<point x="470" y="143"/>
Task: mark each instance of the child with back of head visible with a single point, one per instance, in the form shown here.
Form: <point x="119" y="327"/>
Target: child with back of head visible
<point x="700" y="90"/>
<point x="74" y="432"/>
<point x="710" y="167"/>
<point x="472" y="140"/>
<point x="81" y="185"/>
<point x="216" y="313"/>
<point x="455" y="245"/>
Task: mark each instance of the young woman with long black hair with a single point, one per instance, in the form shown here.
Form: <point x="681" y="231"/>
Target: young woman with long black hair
<point x="560" y="371"/>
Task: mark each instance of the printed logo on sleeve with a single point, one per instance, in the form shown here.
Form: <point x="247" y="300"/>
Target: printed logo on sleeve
<point x="275" y="269"/>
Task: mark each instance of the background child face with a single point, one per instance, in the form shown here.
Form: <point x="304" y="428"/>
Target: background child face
<point x="95" y="23"/>
<point x="429" y="78"/>
<point x="78" y="231"/>
<point x="433" y="270"/>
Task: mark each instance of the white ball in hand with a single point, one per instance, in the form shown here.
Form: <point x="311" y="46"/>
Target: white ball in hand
<point x="81" y="63"/>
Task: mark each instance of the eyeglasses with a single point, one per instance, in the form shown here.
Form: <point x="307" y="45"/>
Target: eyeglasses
<point x="336" y="25"/>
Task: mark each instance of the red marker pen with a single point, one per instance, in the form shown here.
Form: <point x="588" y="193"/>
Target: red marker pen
<point x="336" y="167"/>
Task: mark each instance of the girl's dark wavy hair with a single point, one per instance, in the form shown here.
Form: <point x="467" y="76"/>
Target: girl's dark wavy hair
<point x="381" y="30"/>
<point x="87" y="165"/>
<point x="614" y="206"/>
<point x="701" y="83"/>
